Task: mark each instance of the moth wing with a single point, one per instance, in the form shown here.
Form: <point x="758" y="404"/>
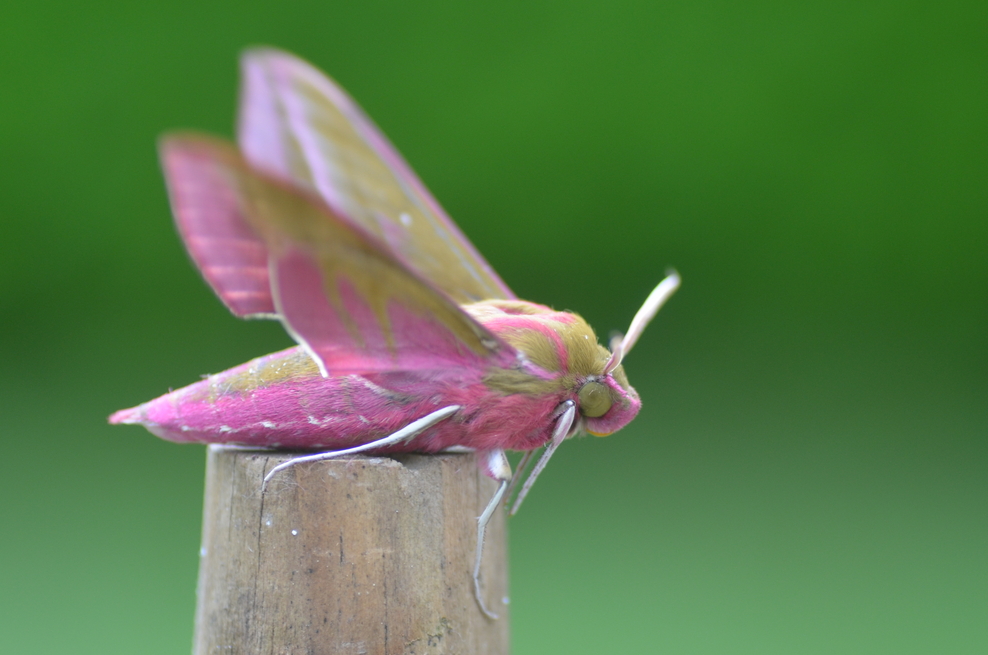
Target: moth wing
<point x="298" y="124"/>
<point x="340" y="292"/>
<point x="210" y="219"/>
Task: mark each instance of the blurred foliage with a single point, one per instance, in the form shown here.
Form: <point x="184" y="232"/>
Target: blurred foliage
<point x="808" y="474"/>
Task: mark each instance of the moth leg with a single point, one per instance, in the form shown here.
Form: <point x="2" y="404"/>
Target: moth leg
<point x="523" y="465"/>
<point x="406" y="433"/>
<point x="496" y="466"/>
<point x="559" y="434"/>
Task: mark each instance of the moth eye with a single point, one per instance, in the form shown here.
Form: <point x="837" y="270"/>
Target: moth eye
<point x="595" y="399"/>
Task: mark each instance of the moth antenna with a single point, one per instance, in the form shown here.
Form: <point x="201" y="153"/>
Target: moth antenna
<point x="617" y="353"/>
<point x="407" y="433"/>
<point x="563" y="425"/>
<point x="660" y="294"/>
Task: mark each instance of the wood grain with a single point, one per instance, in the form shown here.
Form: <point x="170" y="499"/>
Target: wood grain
<point x="362" y="555"/>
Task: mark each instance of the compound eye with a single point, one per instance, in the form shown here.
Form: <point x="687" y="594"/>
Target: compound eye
<point x="595" y="399"/>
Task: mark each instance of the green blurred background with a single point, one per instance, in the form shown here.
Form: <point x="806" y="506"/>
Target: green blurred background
<point x="808" y="474"/>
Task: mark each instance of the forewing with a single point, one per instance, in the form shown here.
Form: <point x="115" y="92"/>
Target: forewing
<point x="209" y="216"/>
<point x="299" y="125"/>
<point x="339" y="291"/>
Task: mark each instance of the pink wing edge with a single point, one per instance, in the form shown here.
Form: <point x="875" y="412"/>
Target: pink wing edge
<point x="232" y="259"/>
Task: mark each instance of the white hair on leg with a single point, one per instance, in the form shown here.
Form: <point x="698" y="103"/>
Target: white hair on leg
<point x="523" y="465"/>
<point x="563" y="425"/>
<point x="498" y="467"/>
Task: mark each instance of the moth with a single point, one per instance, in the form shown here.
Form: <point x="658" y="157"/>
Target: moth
<point x="408" y="341"/>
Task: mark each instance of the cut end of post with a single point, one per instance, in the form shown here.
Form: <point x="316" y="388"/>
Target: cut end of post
<point x="360" y="550"/>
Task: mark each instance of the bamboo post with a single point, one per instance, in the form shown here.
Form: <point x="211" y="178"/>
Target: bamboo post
<point x="358" y="555"/>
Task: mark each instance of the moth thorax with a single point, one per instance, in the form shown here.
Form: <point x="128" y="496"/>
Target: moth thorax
<point x="595" y="399"/>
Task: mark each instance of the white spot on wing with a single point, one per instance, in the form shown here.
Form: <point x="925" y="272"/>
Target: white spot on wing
<point x="405" y="219"/>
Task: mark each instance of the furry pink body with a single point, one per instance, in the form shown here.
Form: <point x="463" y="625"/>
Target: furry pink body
<point x="282" y="400"/>
<point x="308" y="411"/>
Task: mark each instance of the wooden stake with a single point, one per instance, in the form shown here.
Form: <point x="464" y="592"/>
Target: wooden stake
<point x="360" y="555"/>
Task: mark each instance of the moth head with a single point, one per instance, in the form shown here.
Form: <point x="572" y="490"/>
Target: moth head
<point x="607" y="402"/>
